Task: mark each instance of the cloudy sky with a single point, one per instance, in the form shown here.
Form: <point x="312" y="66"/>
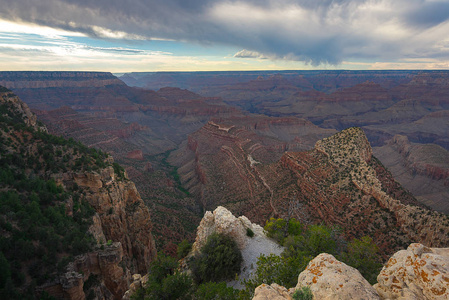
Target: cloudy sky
<point x="193" y="35"/>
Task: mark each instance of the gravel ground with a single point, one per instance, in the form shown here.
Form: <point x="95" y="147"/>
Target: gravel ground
<point x="256" y="246"/>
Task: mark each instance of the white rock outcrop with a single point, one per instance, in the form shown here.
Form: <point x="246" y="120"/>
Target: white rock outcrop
<point x="223" y="221"/>
<point x="416" y="273"/>
<point x="331" y="279"/>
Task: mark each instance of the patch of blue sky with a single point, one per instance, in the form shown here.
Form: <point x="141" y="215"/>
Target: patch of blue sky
<point x="156" y="45"/>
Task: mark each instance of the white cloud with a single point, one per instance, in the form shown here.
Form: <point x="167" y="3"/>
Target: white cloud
<point x="249" y="54"/>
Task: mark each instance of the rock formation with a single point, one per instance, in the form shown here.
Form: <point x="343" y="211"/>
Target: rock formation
<point x="340" y="179"/>
<point x="223" y="162"/>
<point x="33" y="80"/>
<point x="338" y="182"/>
<point x="70" y="184"/>
<point x="123" y="216"/>
<point x="103" y="264"/>
<point x="421" y="168"/>
<point x="223" y="221"/>
<point x="18" y="107"/>
<point x="416" y="273"/>
<point x="272" y="292"/>
<point x="331" y="279"/>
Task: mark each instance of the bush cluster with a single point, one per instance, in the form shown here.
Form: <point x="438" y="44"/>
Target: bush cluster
<point x="219" y="259"/>
<point x="303" y="243"/>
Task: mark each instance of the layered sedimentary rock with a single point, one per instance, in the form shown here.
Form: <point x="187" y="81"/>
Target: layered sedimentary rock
<point x="339" y="182"/>
<point x="222" y="163"/>
<point x="421" y="168"/>
<point x="103" y="264"/>
<point x="123" y="216"/>
<point x="32" y="80"/>
<point x="419" y="272"/>
<point x="19" y="107"/>
<point x="344" y="184"/>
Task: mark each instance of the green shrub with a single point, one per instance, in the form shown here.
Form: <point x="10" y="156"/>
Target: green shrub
<point x="162" y="267"/>
<point x="279" y="229"/>
<point x="303" y="293"/>
<point x="119" y="171"/>
<point x="5" y="271"/>
<point x="215" y="291"/>
<point x="219" y="259"/>
<point x="176" y="286"/>
<point x="249" y="232"/>
<point x="183" y="249"/>
<point x="363" y="255"/>
<point x="277" y="269"/>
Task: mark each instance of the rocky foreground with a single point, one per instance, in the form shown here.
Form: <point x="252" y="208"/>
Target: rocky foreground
<point x="419" y="272"/>
<point x="416" y="273"/>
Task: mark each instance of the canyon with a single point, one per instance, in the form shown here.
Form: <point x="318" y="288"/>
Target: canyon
<point x="263" y="144"/>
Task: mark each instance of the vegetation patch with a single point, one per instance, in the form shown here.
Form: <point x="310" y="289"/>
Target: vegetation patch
<point x="219" y="259"/>
<point x="303" y="293"/>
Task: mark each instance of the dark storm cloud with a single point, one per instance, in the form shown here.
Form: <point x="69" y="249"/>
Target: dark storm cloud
<point x="326" y="31"/>
<point x="429" y="14"/>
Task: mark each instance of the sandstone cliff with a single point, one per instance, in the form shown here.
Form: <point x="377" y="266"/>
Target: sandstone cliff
<point x="123" y="216"/>
<point x="120" y="217"/>
<point x="81" y="203"/>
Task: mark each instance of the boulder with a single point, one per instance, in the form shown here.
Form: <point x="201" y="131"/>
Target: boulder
<point x="329" y="278"/>
<point x="416" y="273"/>
<point x="272" y="292"/>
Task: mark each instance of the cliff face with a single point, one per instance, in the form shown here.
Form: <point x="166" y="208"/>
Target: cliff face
<point x="83" y="207"/>
<point x="120" y="216"/>
<point x="20" y="108"/>
<point x="123" y="217"/>
<point x="421" y="168"/>
<point x="341" y="182"/>
<point x="222" y="163"/>
<point x="338" y="182"/>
